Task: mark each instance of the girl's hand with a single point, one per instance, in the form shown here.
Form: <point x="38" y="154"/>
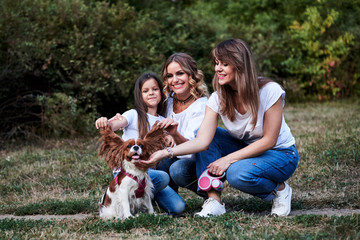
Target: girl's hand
<point x="154" y="159"/>
<point x="170" y="125"/>
<point x="101" y="122"/>
<point x="219" y="166"/>
<point x="170" y="142"/>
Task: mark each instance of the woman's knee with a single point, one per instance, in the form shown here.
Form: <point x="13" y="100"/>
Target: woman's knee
<point x="164" y="179"/>
<point x="170" y="201"/>
<point x="241" y="179"/>
<point x="178" y="208"/>
<point x="165" y="164"/>
<point x="182" y="171"/>
<point x="175" y="170"/>
<point x="160" y="179"/>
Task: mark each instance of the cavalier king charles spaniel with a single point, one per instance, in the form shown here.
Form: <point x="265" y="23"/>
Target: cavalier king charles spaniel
<point x="130" y="191"/>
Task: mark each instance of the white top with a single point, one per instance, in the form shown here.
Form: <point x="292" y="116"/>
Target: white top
<point x="189" y="120"/>
<point x="131" y="129"/>
<point x="241" y="127"/>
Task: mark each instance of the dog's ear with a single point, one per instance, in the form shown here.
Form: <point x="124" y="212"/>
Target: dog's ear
<point x="155" y="139"/>
<point x="111" y="146"/>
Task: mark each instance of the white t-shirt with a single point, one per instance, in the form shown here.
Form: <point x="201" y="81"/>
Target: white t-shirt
<point x="131" y="130"/>
<point x="241" y="127"/>
<point x="189" y="120"/>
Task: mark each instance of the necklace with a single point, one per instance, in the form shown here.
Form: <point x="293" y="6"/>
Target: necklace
<point x="184" y="101"/>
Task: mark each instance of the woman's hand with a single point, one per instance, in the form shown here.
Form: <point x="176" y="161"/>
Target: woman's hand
<point x="154" y="159"/>
<point x="101" y="122"/>
<point x="169" y="125"/>
<point x="219" y="166"/>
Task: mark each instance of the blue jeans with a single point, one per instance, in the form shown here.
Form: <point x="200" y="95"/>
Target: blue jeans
<point x="159" y="179"/>
<point x="259" y="176"/>
<point x="170" y="201"/>
<point x="168" y="198"/>
<point x="164" y="165"/>
<point x="164" y="195"/>
<point x="182" y="173"/>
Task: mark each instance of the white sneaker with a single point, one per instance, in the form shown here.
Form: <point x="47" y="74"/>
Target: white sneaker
<point x="282" y="202"/>
<point x="211" y="207"/>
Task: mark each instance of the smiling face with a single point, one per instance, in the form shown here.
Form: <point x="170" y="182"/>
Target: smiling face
<point x="178" y="80"/>
<point x="225" y="73"/>
<point x="151" y="93"/>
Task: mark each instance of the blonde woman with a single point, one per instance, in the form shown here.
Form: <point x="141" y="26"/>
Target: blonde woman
<point x="187" y="95"/>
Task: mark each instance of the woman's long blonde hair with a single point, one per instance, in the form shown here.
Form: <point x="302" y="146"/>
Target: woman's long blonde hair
<point x="237" y="54"/>
<point x="189" y="66"/>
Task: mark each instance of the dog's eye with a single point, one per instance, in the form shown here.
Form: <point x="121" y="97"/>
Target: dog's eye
<point x="129" y="146"/>
<point x="141" y="145"/>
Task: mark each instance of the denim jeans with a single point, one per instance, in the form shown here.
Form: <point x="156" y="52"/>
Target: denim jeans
<point x="164" y="165"/>
<point x="164" y="195"/>
<point x="183" y="173"/>
<point x="160" y="180"/>
<point x="259" y="176"/>
<point x="168" y="198"/>
<point x="170" y="201"/>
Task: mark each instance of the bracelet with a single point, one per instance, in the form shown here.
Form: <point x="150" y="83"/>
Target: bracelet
<point x="170" y="151"/>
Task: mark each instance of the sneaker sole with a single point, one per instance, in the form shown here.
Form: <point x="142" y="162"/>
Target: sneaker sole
<point x="289" y="203"/>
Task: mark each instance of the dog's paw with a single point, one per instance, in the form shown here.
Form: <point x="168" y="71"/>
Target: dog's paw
<point x="124" y="217"/>
<point x="151" y="211"/>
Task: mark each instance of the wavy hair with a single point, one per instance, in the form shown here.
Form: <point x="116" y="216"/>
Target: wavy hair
<point x="189" y="66"/>
<point x="140" y="105"/>
<point x="237" y="54"/>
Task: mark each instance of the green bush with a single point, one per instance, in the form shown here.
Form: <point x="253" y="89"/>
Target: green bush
<point x="92" y="51"/>
<point x="315" y="56"/>
<point x="61" y="116"/>
<point x="284" y="54"/>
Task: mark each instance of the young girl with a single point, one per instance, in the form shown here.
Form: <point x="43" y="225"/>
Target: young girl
<point x="135" y="123"/>
<point x="257" y="151"/>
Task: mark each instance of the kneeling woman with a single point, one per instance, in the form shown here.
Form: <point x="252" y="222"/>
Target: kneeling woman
<point x="257" y="151"/>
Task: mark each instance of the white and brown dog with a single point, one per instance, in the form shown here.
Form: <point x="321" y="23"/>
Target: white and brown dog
<point x="130" y="191"/>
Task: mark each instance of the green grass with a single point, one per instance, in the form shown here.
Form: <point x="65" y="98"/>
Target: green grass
<point x="233" y="225"/>
<point x="67" y="177"/>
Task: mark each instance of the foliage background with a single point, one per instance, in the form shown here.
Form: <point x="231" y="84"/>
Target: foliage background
<point x="63" y="63"/>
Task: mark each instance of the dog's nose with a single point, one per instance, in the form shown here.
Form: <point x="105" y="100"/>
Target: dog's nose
<point x="136" y="148"/>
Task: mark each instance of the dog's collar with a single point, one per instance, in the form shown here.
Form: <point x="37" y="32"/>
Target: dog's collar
<point x="139" y="192"/>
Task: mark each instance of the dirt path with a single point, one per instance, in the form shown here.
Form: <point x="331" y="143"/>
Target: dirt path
<point x="325" y="211"/>
<point x="47" y="217"/>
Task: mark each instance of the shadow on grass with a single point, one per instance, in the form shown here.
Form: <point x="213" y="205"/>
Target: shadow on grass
<point x="57" y="207"/>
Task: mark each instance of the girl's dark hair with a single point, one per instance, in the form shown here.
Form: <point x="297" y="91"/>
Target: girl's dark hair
<point x="140" y="106"/>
